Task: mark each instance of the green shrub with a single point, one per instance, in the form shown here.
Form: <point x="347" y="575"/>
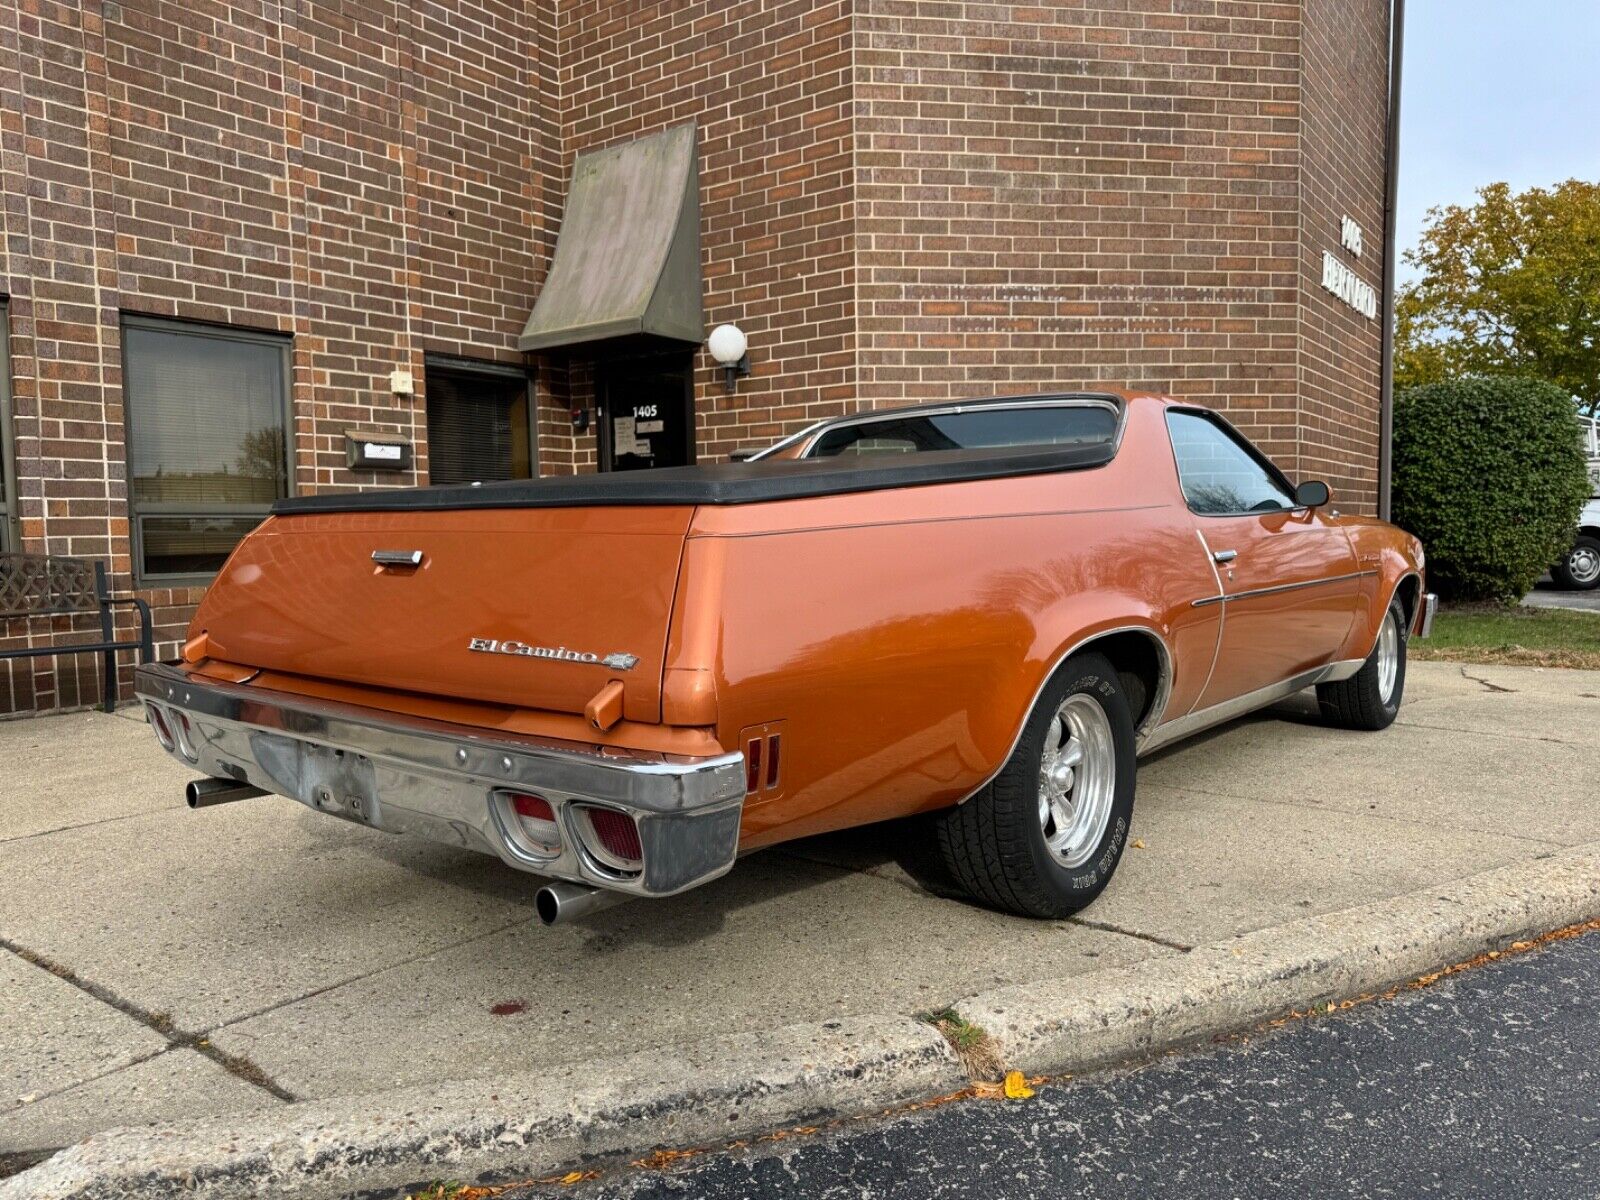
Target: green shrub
<point x="1490" y="474"/>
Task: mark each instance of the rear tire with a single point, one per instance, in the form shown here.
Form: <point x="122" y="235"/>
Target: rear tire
<point x="1580" y="569"/>
<point x="1370" y="699"/>
<point x="1045" y="836"/>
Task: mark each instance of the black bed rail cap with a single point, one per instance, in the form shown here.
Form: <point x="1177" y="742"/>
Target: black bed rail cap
<point x="721" y="483"/>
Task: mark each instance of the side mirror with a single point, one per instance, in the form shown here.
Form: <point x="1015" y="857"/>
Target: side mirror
<point x="1313" y="493"/>
<point x="744" y="453"/>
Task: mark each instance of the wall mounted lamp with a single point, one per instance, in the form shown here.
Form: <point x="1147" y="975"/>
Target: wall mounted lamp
<point x="730" y="347"/>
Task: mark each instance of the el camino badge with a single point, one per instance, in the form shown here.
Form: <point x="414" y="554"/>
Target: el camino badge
<point x="617" y="662"/>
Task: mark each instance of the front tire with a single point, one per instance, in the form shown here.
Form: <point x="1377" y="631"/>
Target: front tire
<point x="1580" y="569"/>
<point x="1370" y="699"/>
<point x="1044" y="837"/>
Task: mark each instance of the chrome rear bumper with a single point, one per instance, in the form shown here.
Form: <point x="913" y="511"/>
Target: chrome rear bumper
<point x="1430" y="607"/>
<point x="443" y="781"/>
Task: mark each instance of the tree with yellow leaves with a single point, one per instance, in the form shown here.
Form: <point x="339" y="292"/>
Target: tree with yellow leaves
<point x="1509" y="285"/>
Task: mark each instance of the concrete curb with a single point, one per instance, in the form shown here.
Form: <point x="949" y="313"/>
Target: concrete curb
<point x="734" y="1086"/>
<point x="1132" y="1012"/>
<point x="532" y="1124"/>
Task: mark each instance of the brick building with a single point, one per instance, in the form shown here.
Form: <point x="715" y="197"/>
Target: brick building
<point x="247" y="240"/>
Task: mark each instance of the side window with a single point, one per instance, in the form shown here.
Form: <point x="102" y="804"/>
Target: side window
<point x="989" y="428"/>
<point x="1219" y="475"/>
<point x="862" y="446"/>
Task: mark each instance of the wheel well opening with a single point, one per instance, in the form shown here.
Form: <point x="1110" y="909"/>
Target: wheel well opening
<point x="1589" y="531"/>
<point x="1140" y="665"/>
<point x="1409" y="590"/>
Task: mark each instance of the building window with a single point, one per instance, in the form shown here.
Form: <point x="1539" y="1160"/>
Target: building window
<point x="207" y="412"/>
<point x="10" y="524"/>
<point x="480" y="422"/>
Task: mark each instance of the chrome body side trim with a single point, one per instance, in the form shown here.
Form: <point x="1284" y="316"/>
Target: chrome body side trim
<point x="1201" y="719"/>
<point x="1281" y="587"/>
<point x="1158" y="702"/>
<point x="440" y="780"/>
<point x="816" y="427"/>
<point x="1222" y="621"/>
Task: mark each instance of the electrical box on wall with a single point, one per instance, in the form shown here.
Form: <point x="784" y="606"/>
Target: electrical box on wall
<point x="376" y="452"/>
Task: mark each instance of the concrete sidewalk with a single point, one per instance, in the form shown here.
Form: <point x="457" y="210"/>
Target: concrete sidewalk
<point x="172" y="964"/>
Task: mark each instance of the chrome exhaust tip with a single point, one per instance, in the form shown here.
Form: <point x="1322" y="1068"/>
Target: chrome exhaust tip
<point x="203" y="793"/>
<point x="558" y="903"/>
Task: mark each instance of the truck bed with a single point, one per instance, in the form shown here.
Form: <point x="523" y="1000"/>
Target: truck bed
<point x="721" y="483"/>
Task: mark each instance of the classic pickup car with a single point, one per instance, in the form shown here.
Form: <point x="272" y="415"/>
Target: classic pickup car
<point x="979" y="614"/>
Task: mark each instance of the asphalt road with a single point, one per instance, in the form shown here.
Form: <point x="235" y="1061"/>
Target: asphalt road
<point x="1484" y="1085"/>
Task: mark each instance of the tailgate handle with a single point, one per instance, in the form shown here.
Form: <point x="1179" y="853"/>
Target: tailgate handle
<point x="397" y="558"/>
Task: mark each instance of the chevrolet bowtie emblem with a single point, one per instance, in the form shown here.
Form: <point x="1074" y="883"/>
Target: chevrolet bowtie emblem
<point x="617" y="662"/>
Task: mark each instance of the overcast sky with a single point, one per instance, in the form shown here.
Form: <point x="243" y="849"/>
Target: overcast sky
<point x="1495" y="89"/>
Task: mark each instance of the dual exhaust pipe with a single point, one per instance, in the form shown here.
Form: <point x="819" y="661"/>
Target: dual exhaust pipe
<point x="555" y="903"/>
<point x="203" y="793"/>
<point x="560" y="902"/>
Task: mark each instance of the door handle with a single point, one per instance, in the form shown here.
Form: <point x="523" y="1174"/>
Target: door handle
<point x="1224" y="556"/>
<point x="397" y="558"/>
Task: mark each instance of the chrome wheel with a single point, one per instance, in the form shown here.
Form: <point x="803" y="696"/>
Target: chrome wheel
<point x="1388" y="657"/>
<point x="1077" y="780"/>
<point x="1583" y="564"/>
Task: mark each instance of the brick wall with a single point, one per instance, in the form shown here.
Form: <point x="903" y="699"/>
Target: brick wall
<point x="769" y="84"/>
<point x="61" y="274"/>
<point x="1059" y="194"/>
<point x="377" y="178"/>
<point x="900" y="200"/>
<point x="1345" y="54"/>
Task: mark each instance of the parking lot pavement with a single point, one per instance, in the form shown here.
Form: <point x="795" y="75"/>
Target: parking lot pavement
<point x="1545" y="596"/>
<point x="172" y="963"/>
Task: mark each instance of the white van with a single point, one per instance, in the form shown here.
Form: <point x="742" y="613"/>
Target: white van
<point x="1581" y="567"/>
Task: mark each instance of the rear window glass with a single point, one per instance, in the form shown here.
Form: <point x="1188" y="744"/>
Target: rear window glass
<point x="975" y="429"/>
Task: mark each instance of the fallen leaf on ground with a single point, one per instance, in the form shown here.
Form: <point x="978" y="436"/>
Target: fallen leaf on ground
<point x="1017" y="1087"/>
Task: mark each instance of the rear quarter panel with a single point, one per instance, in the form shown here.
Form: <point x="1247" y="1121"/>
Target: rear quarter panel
<point x="902" y="636"/>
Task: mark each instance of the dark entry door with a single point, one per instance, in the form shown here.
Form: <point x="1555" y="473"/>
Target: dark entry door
<point x="646" y="413"/>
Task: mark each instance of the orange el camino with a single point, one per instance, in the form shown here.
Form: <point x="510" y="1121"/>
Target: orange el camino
<point x="980" y="612"/>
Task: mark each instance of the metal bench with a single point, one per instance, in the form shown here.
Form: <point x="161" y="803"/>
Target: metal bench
<point x="36" y="585"/>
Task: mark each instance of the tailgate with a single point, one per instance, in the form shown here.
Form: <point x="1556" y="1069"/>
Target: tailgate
<point x="509" y="606"/>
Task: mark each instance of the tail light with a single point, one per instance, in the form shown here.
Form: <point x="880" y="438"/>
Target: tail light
<point x="158" y="722"/>
<point x="614" y="838"/>
<point x="761" y="751"/>
<point x="752" y="765"/>
<point x="185" y="735"/>
<point x="537" y="821"/>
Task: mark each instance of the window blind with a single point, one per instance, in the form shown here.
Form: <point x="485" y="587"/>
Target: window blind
<point x="477" y="427"/>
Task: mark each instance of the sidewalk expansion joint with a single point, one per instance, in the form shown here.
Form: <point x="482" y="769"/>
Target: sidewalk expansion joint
<point x="177" y="1039"/>
<point x="1108" y="927"/>
<point x="335" y="985"/>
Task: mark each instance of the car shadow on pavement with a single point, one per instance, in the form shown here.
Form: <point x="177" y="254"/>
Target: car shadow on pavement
<point x="757" y="879"/>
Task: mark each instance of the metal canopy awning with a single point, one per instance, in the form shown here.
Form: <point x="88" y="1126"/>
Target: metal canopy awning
<point x="627" y="260"/>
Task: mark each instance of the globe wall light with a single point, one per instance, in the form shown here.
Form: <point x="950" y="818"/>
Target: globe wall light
<point x="731" y="349"/>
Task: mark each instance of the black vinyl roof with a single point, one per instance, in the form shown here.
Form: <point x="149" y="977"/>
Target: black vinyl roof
<point x="722" y="483"/>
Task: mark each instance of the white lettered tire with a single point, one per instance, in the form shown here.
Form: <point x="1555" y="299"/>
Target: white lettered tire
<point x="1045" y="836"/>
